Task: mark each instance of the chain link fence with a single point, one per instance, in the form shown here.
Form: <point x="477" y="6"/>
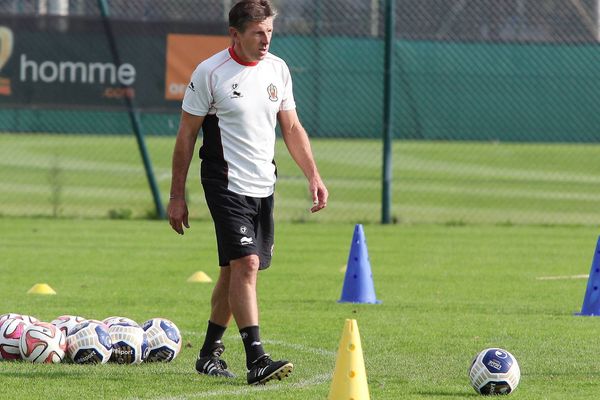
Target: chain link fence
<point x="494" y="103"/>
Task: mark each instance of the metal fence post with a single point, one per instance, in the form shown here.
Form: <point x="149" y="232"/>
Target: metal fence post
<point x="134" y="117"/>
<point x="388" y="85"/>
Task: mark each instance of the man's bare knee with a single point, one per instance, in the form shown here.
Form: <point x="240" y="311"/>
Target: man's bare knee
<point x="244" y="267"/>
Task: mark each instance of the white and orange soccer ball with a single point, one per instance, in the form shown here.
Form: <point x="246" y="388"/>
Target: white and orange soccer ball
<point x="164" y="339"/>
<point x="42" y="342"/>
<point x="89" y="343"/>
<point x="130" y="343"/>
<point x="66" y="323"/>
<point x="11" y="330"/>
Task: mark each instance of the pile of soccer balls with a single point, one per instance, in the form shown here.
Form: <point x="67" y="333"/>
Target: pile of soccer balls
<point x="88" y="341"/>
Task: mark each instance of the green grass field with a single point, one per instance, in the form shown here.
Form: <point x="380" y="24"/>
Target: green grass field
<point x="433" y="182"/>
<point x="447" y="291"/>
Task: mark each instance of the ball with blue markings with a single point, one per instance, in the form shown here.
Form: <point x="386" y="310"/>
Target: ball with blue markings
<point x="130" y="343"/>
<point x="164" y="340"/>
<point x="89" y="342"/>
<point x="494" y="371"/>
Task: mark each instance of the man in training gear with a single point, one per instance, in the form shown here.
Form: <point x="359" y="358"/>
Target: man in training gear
<point x="237" y="96"/>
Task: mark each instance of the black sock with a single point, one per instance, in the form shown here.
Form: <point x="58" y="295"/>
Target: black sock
<point x="214" y="334"/>
<point x="252" y="344"/>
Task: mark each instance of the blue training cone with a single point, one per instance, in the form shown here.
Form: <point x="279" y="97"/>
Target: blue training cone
<point x="358" y="282"/>
<point x="591" y="301"/>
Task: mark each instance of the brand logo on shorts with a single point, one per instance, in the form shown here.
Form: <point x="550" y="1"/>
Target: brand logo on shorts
<point x="243" y="230"/>
<point x="246" y="240"/>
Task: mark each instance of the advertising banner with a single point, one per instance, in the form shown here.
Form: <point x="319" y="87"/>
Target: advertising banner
<point x="53" y="62"/>
<point x="181" y="61"/>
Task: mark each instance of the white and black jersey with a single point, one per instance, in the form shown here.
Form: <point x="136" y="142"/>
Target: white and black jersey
<point x="240" y="102"/>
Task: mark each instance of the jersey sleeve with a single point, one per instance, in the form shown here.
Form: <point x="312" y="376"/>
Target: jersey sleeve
<point x="198" y="97"/>
<point x="287" y="100"/>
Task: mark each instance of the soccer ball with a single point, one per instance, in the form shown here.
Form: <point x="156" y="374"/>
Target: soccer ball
<point x="109" y="321"/>
<point x="164" y="339"/>
<point x="66" y="323"/>
<point x="11" y="330"/>
<point x="494" y="371"/>
<point x="42" y="343"/>
<point x="130" y="343"/>
<point x="28" y="319"/>
<point x="89" y="343"/>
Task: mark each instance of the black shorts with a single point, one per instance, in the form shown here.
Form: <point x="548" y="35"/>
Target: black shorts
<point x="243" y="225"/>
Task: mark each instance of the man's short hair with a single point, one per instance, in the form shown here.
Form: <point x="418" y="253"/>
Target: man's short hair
<point x="250" y="11"/>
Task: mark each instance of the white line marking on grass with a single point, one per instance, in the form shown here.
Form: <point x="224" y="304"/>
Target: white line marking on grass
<point x="417" y="163"/>
<point x="165" y="176"/>
<point x="315" y="380"/>
<point x="561" y="277"/>
<point x="300" y="347"/>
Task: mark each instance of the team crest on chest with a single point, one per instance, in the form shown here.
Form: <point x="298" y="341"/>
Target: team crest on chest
<point x="272" y="90"/>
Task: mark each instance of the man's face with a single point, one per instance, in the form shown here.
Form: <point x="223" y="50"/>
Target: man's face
<point x="253" y="44"/>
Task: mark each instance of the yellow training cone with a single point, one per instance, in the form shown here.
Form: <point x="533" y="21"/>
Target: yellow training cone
<point x="199" y="277"/>
<point x="41" y="288"/>
<point x="349" y="378"/>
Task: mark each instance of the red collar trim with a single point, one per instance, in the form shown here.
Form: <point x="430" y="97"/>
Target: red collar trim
<point x="238" y="60"/>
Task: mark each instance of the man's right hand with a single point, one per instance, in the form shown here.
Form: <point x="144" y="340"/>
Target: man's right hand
<point x="178" y="215"/>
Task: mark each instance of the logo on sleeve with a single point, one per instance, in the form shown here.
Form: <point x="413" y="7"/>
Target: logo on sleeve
<point x="272" y="90"/>
<point x="191" y="86"/>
